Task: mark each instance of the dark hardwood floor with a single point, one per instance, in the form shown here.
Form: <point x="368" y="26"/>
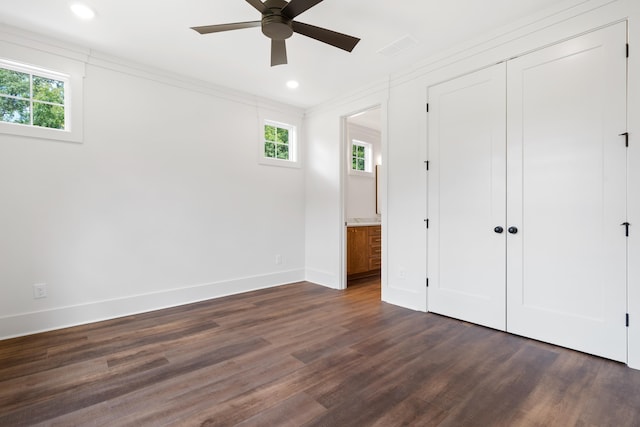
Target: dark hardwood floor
<point x="305" y="355"/>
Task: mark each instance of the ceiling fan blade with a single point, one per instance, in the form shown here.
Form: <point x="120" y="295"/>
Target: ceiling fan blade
<point x="258" y="5"/>
<point x="296" y="7"/>
<point x="278" y="52"/>
<point x="333" y="38"/>
<point x="207" y="29"/>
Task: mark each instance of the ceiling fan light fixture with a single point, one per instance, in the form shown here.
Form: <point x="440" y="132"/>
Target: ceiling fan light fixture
<point x="83" y="11"/>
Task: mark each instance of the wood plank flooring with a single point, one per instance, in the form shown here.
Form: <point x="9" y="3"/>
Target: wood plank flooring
<point x="305" y="355"/>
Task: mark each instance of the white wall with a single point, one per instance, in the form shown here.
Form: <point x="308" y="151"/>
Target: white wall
<point x="405" y="149"/>
<point x="163" y="203"/>
<point x="361" y="190"/>
<point x="323" y="249"/>
<point x="326" y="136"/>
<point x="407" y="134"/>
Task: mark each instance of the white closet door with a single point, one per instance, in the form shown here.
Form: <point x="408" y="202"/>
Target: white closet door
<point x="566" y="268"/>
<point x="466" y="257"/>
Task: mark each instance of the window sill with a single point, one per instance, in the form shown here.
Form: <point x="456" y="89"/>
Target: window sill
<point x="40" y="133"/>
<point x="361" y="173"/>
<point x="265" y="161"/>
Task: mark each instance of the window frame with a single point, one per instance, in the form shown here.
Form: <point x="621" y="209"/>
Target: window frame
<point x="26" y="55"/>
<point x="368" y="158"/>
<point x="291" y="139"/>
<point x="47" y="74"/>
<point x="282" y="122"/>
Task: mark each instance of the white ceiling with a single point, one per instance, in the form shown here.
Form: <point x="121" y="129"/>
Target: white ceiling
<point x="371" y="119"/>
<point x="157" y="33"/>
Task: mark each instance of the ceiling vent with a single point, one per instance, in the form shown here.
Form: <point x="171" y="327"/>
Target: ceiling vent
<point x="398" y="46"/>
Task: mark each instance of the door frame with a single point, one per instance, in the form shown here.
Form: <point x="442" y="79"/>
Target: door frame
<point x="344" y="163"/>
<point x="631" y="359"/>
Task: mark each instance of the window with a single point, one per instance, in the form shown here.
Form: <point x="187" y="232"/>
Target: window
<point x="32" y="97"/>
<point x="278" y="137"/>
<point x="276" y="141"/>
<point x="278" y="144"/>
<point x="41" y="93"/>
<point x="361" y="157"/>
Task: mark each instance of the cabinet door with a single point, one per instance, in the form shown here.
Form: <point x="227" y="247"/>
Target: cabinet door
<point x="566" y="270"/>
<point x="357" y="250"/>
<point x="467" y="152"/>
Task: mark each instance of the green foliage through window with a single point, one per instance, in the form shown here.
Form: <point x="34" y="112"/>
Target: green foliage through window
<point x="30" y="99"/>
<point x="276" y="142"/>
<point x="358" y="157"/>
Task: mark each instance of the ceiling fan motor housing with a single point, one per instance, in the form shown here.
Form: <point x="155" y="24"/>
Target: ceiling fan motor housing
<point x="275" y="25"/>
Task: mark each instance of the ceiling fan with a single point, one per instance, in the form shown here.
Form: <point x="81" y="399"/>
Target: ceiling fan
<point x="278" y="24"/>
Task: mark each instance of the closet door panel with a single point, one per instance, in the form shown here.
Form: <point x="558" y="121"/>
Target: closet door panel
<point x="467" y="190"/>
<point x="566" y="266"/>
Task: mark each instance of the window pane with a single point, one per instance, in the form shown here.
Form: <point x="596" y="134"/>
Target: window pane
<point x="14" y="83"/>
<point x="269" y="149"/>
<point x="48" y="90"/>
<point x="283" y="151"/>
<point x="48" y="116"/>
<point x="360" y="151"/>
<point x="269" y="133"/>
<point x="283" y="136"/>
<point x="354" y="164"/>
<point x="360" y="164"/>
<point x="14" y="111"/>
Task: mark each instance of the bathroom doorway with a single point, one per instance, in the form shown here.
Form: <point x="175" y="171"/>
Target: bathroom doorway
<point x="363" y="213"/>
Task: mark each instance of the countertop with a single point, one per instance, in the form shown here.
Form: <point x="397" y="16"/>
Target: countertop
<point x="362" y="222"/>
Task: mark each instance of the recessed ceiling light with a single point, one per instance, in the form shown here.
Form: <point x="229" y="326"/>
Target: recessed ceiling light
<point x="82" y="11"/>
<point x="292" y="84"/>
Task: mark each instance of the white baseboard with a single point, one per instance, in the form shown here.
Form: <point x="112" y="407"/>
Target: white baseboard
<point x="63" y="317"/>
<point x="322" y="278"/>
<point x="404" y="298"/>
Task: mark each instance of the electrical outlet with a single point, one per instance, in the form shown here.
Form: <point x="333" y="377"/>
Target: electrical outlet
<point x="402" y="274"/>
<point x="40" y="290"/>
<point x="278" y="259"/>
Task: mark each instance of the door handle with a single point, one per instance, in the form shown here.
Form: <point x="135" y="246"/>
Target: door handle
<point x="498" y="230"/>
<point x="513" y="230"/>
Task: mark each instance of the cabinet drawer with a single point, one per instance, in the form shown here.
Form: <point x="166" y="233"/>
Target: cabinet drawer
<point x="375" y="240"/>
<point x="375" y="251"/>
<point x="374" y="263"/>
<point x="374" y="230"/>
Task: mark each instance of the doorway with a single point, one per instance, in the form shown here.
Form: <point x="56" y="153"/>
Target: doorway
<point x="363" y="214"/>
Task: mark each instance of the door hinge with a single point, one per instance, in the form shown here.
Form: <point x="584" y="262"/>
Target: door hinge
<point x="626" y="138"/>
<point x="427" y="107"/>
<point x="427" y="282"/>
<point x="426" y="162"/>
<point x="627" y="320"/>
<point x="426" y="221"/>
<point x="627" y="50"/>
<point x="626" y="226"/>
